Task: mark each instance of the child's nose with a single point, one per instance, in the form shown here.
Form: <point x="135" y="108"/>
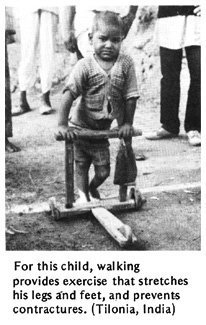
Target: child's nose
<point x="108" y="43"/>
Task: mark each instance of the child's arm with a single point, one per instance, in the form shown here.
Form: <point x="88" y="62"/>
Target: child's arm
<point x="63" y="130"/>
<point x="125" y="130"/>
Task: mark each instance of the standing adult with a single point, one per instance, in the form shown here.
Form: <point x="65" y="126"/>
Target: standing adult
<point x="178" y="29"/>
<point x="38" y="28"/>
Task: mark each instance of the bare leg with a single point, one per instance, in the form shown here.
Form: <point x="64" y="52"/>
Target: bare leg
<point x="101" y="174"/>
<point x="9" y="147"/>
<point x="82" y="180"/>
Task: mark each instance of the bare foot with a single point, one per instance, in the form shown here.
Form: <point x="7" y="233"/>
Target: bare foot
<point x="10" y="147"/>
<point x="82" y="199"/>
<point x="45" y="109"/>
<point x="22" y="109"/>
<point x="94" y="192"/>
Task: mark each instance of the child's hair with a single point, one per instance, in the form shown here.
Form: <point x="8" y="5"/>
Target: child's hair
<point x="108" y="18"/>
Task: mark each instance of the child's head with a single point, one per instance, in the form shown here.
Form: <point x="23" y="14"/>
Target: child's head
<point x="106" y="35"/>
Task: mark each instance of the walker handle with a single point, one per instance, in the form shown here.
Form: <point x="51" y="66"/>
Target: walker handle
<point x="103" y="134"/>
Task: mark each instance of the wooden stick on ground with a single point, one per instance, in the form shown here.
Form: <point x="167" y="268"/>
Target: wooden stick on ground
<point x="117" y="229"/>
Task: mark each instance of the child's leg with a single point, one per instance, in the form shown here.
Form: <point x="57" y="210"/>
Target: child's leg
<point x="82" y="180"/>
<point x="101" y="174"/>
<point x="101" y="161"/>
<point x="82" y="165"/>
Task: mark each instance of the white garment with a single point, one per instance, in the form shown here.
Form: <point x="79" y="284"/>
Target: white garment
<point x="38" y="33"/>
<point x="83" y="23"/>
<point x="178" y="31"/>
<point x="37" y="30"/>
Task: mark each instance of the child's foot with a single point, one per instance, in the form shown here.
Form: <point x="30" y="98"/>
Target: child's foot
<point x="82" y="199"/>
<point x="94" y="192"/>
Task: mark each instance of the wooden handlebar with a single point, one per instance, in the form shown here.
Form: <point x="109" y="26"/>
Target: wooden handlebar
<point x="103" y="134"/>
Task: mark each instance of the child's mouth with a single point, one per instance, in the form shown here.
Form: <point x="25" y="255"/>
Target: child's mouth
<point x="107" y="53"/>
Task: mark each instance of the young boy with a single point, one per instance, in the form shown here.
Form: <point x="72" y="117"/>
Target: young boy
<point x="107" y="85"/>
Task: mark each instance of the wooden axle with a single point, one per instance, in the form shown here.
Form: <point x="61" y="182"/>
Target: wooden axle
<point x="114" y="205"/>
<point x="111" y="204"/>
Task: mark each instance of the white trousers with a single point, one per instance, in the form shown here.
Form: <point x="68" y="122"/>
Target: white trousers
<point x="37" y="32"/>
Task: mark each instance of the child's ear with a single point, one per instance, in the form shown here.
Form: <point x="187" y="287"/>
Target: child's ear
<point x="90" y="38"/>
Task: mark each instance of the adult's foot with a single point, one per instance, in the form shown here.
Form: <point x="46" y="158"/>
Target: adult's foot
<point x="10" y="147"/>
<point x="160" y="134"/>
<point x="23" y="105"/>
<point x="22" y="109"/>
<point x="194" y="138"/>
<point x="45" y="109"/>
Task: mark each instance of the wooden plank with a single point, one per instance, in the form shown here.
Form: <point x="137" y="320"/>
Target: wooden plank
<point x="121" y="232"/>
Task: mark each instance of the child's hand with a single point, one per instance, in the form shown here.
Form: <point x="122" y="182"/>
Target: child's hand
<point x="61" y="133"/>
<point x="125" y="131"/>
<point x="65" y="133"/>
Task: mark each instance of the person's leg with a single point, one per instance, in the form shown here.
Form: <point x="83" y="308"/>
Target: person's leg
<point x="82" y="180"/>
<point x="82" y="164"/>
<point x="29" y="29"/>
<point x="193" y="109"/>
<point x="101" y="161"/>
<point x="101" y="174"/>
<point x="9" y="147"/>
<point x="47" y="51"/>
<point x="171" y="61"/>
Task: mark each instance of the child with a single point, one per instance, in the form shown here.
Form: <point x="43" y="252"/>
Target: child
<point x="107" y="85"/>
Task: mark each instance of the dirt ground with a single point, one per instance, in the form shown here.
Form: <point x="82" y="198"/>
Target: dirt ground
<point x="170" y="220"/>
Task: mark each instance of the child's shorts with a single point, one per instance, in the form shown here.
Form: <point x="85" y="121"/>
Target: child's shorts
<point x="96" y="152"/>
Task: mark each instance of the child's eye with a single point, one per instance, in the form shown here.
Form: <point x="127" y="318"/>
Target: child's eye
<point x="116" y="40"/>
<point x="103" y="39"/>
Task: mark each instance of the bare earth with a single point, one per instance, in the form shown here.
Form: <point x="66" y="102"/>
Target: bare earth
<point x="170" y="220"/>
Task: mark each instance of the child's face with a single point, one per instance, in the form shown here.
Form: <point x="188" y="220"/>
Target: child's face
<point x="107" y="42"/>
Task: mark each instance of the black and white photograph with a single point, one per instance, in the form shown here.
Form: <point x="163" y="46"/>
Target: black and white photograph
<point x="103" y="127"/>
<point x="102" y="173"/>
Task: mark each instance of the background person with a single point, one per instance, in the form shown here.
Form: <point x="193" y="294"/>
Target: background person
<point x="9" y="147"/>
<point x="178" y="29"/>
<point x="38" y="28"/>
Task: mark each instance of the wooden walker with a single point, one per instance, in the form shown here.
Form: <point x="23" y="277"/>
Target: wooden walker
<point x="119" y="231"/>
